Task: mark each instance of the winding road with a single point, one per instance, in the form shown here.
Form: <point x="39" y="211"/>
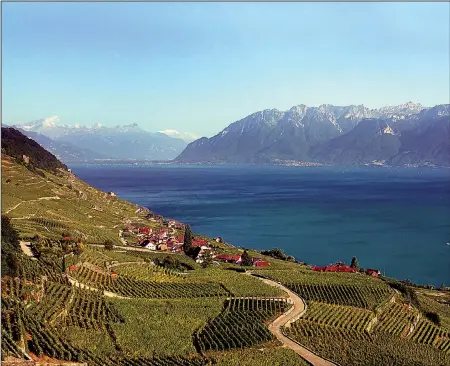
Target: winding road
<point x="294" y="313"/>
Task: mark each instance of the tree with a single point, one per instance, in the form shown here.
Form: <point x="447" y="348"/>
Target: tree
<point x="108" y="244"/>
<point x="245" y="259"/>
<point x="207" y="259"/>
<point x="354" y="263"/>
<point x="10" y="248"/>
<point x="276" y="253"/>
<point x="64" y="265"/>
<point x="12" y="264"/>
<point x="187" y="243"/>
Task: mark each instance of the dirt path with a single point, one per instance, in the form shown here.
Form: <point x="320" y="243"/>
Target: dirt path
<point x="14" y="207"/>
<point x="126" y="264"/>
<point x="75" y="283"/>
<point x="136" y="249"/>
<point x="39" y="199"/>
<point x="294" y="313"/>
<point x="25" y="246"/>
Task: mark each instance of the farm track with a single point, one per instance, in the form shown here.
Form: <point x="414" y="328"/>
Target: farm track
<point x="125" y="264"/>
<point x="110" y="294"/>
<point x="135" y="249"/>
<point x="39" y="199"/>
<point x="290" y="316"/>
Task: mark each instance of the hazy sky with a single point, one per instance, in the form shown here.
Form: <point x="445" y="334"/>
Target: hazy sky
<point x="200" y="66"/>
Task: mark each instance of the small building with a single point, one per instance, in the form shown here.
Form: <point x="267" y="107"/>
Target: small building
<point x="147" y="244"/>
<point x="337" y="267"/>
<point x="229" y="258"/>
<point x="69" y="170"/>
<point x="26" y="159"/>
<point x="197" y="242"/>
<point x="111" y="194"/>
<point x="162" y="247"/>
<point x="145" y="230"/>
<point x="67" y="238"/>
<point x="372" y="272"/>
<point x="73" y="268"/>
<point x="113" y="275"/>
<point x="261" y="263"/>
<point x="319" y="268"/>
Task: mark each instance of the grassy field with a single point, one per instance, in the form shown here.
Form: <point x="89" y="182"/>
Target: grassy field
<point x="270" y="356"/>
<point x="353" y="319"/>
<point x="237" y="283"/>
<point x="55" y="204"/>
<point x="162" y="327"/>
<point x="429" y="300"/>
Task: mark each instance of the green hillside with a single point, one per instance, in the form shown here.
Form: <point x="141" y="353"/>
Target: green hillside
<point x="66" y="298"/>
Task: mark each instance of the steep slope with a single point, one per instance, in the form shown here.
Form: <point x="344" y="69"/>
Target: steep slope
<point x="371" y="139"/>
<point x="16" y="144"/>
<point x="272" y="134"/>
<point x="427" y="144"/>
<point x="419" y="139"/>
<point x="57" y="202"/>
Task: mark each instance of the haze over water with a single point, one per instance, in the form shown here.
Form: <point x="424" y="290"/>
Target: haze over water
<point x="396" y="220"/>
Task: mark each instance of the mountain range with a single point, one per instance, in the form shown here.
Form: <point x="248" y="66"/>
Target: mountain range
<point x="337" y="135"/>
<point x="81" y="143"/>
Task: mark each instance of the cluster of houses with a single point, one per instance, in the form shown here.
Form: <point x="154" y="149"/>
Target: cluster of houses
<point x="165" y="238"/>
<point x="342" y="267"/>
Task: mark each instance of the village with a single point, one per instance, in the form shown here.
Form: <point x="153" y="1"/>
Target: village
<point x="169" y="237"/>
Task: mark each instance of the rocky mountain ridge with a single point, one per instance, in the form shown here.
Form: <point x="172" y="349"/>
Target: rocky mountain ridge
<point x="306" y="133"/>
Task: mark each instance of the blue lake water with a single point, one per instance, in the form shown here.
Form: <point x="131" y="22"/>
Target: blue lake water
<point x="396" y="220"/>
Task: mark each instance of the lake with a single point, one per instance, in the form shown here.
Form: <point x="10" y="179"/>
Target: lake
<point x="393" y="219"/>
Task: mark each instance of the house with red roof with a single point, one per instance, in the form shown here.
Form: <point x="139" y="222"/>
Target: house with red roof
<point x="145" y="230"/>
<point x="337" y="267"/>
<point x="261" y="263"/>
<point x="319" y="268"/>
<point x="229" y="258"/>
<point x="372" y="272"/>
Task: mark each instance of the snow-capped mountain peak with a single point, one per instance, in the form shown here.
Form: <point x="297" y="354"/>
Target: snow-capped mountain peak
<point x="186" y="136"/>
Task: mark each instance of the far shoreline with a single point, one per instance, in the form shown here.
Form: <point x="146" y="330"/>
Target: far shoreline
<point x="299" y="164"/>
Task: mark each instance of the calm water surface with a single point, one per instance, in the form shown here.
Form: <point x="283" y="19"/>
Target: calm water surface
<point x="397" y="220"/>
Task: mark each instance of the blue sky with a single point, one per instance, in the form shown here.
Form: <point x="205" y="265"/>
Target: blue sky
<point x="200" y="66"/>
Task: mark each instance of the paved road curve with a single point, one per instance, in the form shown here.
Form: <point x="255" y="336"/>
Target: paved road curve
<point x="289" y="317"/>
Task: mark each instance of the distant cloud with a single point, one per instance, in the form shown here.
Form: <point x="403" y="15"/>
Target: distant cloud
<point x="50" y="121"/>
<point x="187" y="136"/>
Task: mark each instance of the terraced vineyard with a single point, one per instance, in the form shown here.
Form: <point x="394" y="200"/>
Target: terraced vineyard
<point x="344" y="317"/>
<point x="130" y="287"/>
<point x="365" y="297"/>
<point x="428" y="333"/>
<point x="241" y="324"/>
<point x="148" y="272"/>
<point x="33" y="270"/>
<point x="395" y="320"/>
<point x="56" y="299"/>
<point x="90" y="310"/>
<point x="349" y="347"/>
<point x="169" y="316"/>
<point x="355" y="290"/>
<point x="9" y="346"/>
